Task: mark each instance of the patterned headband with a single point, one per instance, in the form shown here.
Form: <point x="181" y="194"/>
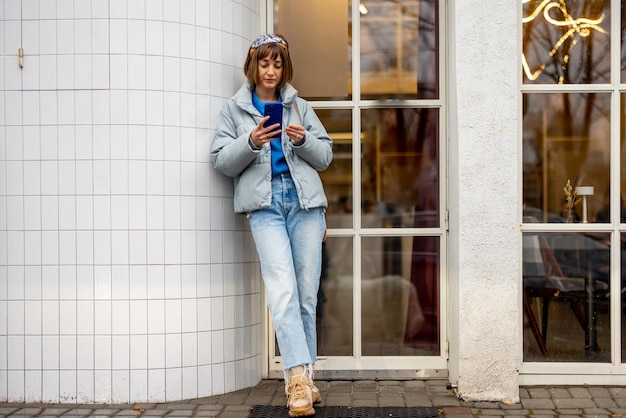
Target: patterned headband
<point x="267" y="39"/>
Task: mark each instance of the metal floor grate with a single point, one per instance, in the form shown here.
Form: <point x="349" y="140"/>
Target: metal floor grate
<point x="266" y="411"/>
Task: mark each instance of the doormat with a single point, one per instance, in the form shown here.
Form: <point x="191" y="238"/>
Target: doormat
<point x="267" y="411"/>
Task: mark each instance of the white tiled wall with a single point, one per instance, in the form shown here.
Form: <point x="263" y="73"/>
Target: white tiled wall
<point x="124" y="274"/>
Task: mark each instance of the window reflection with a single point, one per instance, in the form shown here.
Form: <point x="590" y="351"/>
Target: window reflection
<point x="566" y="284"/>
<point x="337" y="178"/>
<point x="334" y="307"/>
<point x="623" y="295"/>
<point x="400" y="168"/>
<point x="566" y="137"/>
<point x="399" y="49"/>
<point x="319" y="45"/>
<point x="400" y="296"/>
<point x="566" y="41"/>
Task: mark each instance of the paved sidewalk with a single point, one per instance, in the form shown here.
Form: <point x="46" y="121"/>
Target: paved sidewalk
<point x="536" y="401"/>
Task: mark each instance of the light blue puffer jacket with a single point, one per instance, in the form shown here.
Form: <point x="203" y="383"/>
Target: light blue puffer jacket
<point x="251" y="170"/>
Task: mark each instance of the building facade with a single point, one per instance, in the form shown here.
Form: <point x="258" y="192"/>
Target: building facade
<point x="125" y="276"/>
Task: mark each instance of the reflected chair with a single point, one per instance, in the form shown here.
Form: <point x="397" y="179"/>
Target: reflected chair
<point x="544" y="279"/>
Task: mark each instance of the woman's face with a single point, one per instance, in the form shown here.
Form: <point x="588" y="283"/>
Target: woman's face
<point x="270" y="72"/>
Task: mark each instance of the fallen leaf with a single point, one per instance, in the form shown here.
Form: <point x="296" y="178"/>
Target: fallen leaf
<point x="137" y="408"/>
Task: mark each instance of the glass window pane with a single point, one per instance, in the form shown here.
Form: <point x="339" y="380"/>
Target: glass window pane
<point x="400" y="168"/>
<point x="622" y="198"/>
<point x="399" y="49"/>
<point x="337" y="178"/>
<point x="623" y="49"/>
<point x="400" y="296"/>
<point x="561" y="321"/>
<point x="623" y="295"/>
<point x="566" y="138"/>
<point x="566" y="42"/>
<point x="334" y="308"/>
<point x="322" y="63"/>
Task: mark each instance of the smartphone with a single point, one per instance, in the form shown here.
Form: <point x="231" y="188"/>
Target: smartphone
<point x="275" y="112"/>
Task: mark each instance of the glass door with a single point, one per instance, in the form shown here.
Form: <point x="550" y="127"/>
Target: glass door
<point x="373" y="72"/>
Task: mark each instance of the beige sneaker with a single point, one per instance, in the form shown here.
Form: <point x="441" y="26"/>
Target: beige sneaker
<point x="300" y="396"/>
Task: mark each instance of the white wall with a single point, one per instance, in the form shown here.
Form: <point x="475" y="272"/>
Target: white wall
<point x="124" y="275"/>
<point x="484" y="262"/>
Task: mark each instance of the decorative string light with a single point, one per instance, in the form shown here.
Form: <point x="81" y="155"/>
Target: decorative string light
<point x="581" y="26"/>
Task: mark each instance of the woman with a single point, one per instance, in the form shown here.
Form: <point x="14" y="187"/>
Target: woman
<point x="278" y="186"/>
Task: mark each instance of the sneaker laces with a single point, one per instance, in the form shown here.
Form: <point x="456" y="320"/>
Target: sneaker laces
<point x="297" y="389"/>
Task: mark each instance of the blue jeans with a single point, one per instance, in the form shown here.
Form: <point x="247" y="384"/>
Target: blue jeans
<point x="289" y="242"/>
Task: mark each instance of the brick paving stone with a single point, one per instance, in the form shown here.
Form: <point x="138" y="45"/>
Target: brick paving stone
<point x="396" y="401"/>
<point x="420" y="397"/>
<point x="561" y="393"/>
<point x="538" y="393"/>
<point x="255" y="400"/>
<point x="53" y="411"/>
<point x="605" y="402"/>
<point x="456" y="410"/>
<point x="574" y="403"/>
<point x="415" y="385"/>
<point x="182" y="413"/>
<point x="578" y="392"/>
<point x="371" y="403"/>
<point x="418" y="402"/>
<point x="618" y="392"/>
<point x="523" y="393"/>
<point x="104" y="411"/>
<point x="235" y="411"/>
<point x="492" y="413"/>
<point x="338" y="400"/>
<point x="596" y="411"/>
<point x="233" y="399"/>
<point x="82" y="411"/>
<point x="599" y="392"/>
<point x="386" y="391"/>
<point x="155" y="413"/>
<point x="487" y="405"/>
<point x="517" y="412"/>
<point x="363" y="395"/>
<point x="543" y="414"/>
<point x="28" y="411"/>
<point x="513" y="406"/>
<point x="213" y="408"/>
<point x="572" y="412"/>
<point x="389" y="383"/>
<point x="130" y="413"/>
<point x="340" y="387"/>
<point x="621" y="402"/>
<point x="538" y="403"/>
<point x="367" y="385"/>
<point x="444" y="400"/>
<point x="179" y="406"/>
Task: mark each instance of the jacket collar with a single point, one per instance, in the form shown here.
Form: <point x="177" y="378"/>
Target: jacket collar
<point x="243" y="97"/>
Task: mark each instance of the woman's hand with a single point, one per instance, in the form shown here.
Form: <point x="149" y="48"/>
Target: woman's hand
<point x="260" y="135"/>
<point x="296" y="133"/>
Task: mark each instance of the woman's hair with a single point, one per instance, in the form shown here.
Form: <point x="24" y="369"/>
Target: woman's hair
<point x="273" y="51"/>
